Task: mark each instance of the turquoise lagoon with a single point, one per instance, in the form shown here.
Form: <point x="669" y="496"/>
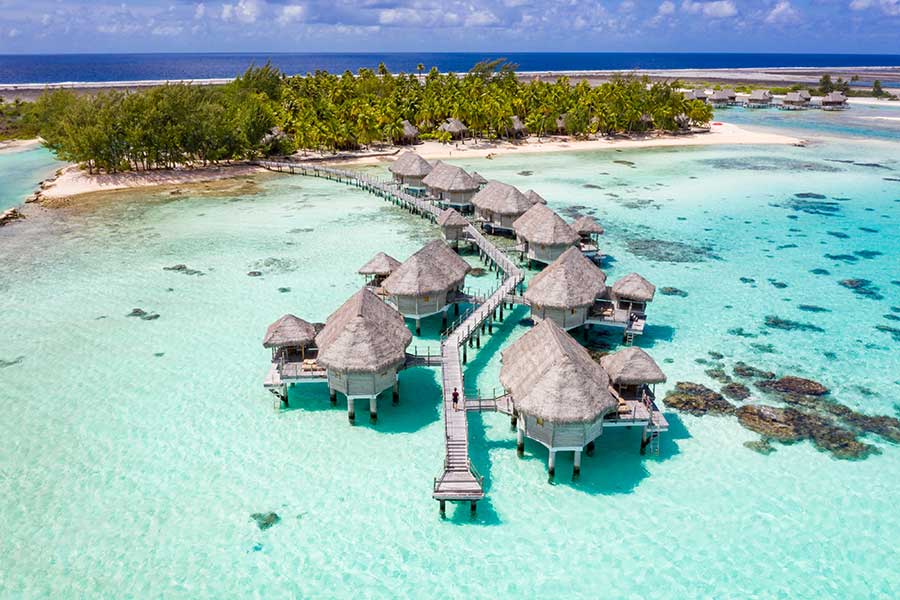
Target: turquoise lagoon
<point x="21" y="171"/>
<point x="135" y="450"/>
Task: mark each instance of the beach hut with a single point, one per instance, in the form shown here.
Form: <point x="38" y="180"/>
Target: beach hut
<point x="451" y="186"/>
<point x="409" y="134"/>
<point x="795" y="100"/>
<point x="516" y="127"/>
<point x="378" y="269"/>
<point x="700" y="95"/>
<point x="834" y="101"/>
<point x="425" y="283"/>
<point x="455" y="128"/>
<point x="588" y="230"/>
<point x="362" y="346"/>
<point x="633" y="374"/>
<point x="559" y="394"/>
<point x="543" y="234"/>
<point x="805" y="95"/>
<point x="291" y="339"/>
<point x="409" y="170"/>
<point x="759" y="99"/>
<point x="498" y="205"/>
<point x="453" y="226"/>
<point x="565" y="291"/>
<point x="720" y="98"/>
<point x="534" y="197"/>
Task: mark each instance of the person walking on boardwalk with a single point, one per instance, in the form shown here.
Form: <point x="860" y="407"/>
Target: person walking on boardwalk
<point x="455" y="399"/>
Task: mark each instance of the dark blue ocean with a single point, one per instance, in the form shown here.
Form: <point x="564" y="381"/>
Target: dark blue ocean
<point x="52" y="68"/>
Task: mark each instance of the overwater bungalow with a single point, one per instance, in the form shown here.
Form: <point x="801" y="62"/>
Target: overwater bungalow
<point x="795" y="101"/>
<point x="453" y="227"/>
<point x="455" y="128"/>
<point x="409" y="170"/>
<point x="362" y="346"/>
<point x="834" y="101"/>
<point x="720" y="98"/>
<point x="759" y="99"/>
<point x="698" y="94"/>
<point x="378" y="269"/>
<point x="425" y="283"/>
<point x="451" y="186"/>
<point x="479" y="179"/>
<point x="633" y="374"/>
<point x="588" y="231"/>
<point x="543" y="235"/>
<point x="625" y="306"/>
<point x="559" y="394"/>
<point x="566" y="291"/>
<point x="291" y="339"/>
<point x="410" y="134"/>
<point x="498" y="205"/>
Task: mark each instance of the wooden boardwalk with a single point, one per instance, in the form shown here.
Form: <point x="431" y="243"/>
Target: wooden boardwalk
<point x="459" y="481"/>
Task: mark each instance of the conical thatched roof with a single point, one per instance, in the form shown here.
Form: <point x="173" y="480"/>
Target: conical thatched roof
<point x="760" y="95"/>
<point x="535" y="197"/>
<point x="795" y="97"/>
<point x="730" y="93"/>
<point x="410" y="131"/>
<point x="805" y="94"/>
<point x="289" y="331"/>
<point x="552" y="377"/>
<point x="585" y="225"/>
<point x="479" y="179"/>
<point x="835" y="97"/>
<point x="569" y="282"/>
<point x="540" y="225"/>
<point x="634" y="287"/>
<point x="381" y="264"/>
<point x="449" y="178"/>
<point x="451" y="218"/>
<point x="502" y="199"/>
<point x="453" y="127"/>
<point x="410" y="164"/>
<point x="434" y="268"/>
<point x="632" y="366"/>
<point x="364" y="335"/>
<point x="720" y="96"/>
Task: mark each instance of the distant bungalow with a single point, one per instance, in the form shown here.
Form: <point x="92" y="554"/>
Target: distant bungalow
<point x="455" y="128"/>
<point x="410" y="133"/>
<point x="451" y="186"/>
<point x="696" y="95"/>
<point x="722" y="98"/>
<point x="409" y="170"/>
<point x="625" y="305"/>
<point x="516" y="128"/>
<point x="588" y="229"/>
<point x="453" y="227"/>
<point x="378" y="269"/>
<point x="633" y="374"/>
<point x="795" y="100"/>
<point x="759" y="99"/>
<point x="291" y="339"/>
<point x="566" y="291"/>
<point x="834" y="101"/>
<point x="558" y="392"/>
<point x="424" y="283"/>
<point x="362" y="346"/>
<point x="498" y="205"/>
<point x="543" y="234"/>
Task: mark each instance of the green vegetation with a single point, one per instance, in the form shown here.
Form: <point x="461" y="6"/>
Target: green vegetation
<point x="263" y="112"/>
<point x="14" y="124"/>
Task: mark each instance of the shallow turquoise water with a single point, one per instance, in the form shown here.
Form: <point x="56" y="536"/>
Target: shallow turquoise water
<point x="20" y="172"/>
<point x="125" y="472"/>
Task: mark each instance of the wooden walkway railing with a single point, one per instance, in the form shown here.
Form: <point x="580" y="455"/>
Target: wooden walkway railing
<point x="459" y="480"/>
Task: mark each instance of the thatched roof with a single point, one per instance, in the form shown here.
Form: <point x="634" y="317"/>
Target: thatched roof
<point x="552" y="377"/>
<point x="696" y="95"/>
<point x="835" y="97"/>
<point x="760" y="95"/>
<point x="535" y="197"/>
<point x="434" y="268"/>
<point x="795" y="97"/>
<point x="289" y="331"/>
<point x="634" y="287"/>
<point x="502" y="199"/>
<point x="585" y="225"/>
<point x="632" y="366"/>
<point x="450" y="218"/>
<point x="540" y="225"/>
<point x="410" y="164"/>
<point x="364" y="335"/>
<point x="730" y="93"/>
<point x="479" y="179"/>
<point x="453" y="127"/>
<point x="449" y="178"/>
<point x="381" y="264"/>
<point x="569" y="282"/>
<point x="410" y="131"/>
<point x="720" y="96"/>
<point x="805" y="94"/>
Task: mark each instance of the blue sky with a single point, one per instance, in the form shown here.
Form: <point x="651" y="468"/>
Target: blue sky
<point x="851" y="26"/>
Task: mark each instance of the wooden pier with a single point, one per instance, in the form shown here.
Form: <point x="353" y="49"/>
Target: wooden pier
<point x="459" y="481"/>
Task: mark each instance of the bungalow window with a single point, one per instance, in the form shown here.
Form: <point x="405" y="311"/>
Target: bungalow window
<point x="540" y="421"/>
<point x="426" y="299"/>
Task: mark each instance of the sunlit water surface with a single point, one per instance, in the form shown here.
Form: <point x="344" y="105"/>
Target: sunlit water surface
<point x="134" y="451"/>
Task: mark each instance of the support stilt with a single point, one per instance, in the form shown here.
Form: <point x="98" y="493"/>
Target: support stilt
<point x="513" y="420"/>
<point x="351" y="411"/>
<point x="373" y="409"/>
<point x="501" y="312"/>
<point x="478" y="340"/>
<point x="332" y="394"/>
<point x="551" y="465"/>
<point x="465" y="358"/>
<point x="443" y="507"/>
<point x="520" y="443"/>
<point x="589" y="449"/>
<point x="645" y="440"/>
<point x="418" y="328"/>
<point x="444" y="321"/>
<point x="576" y="470"/>
<point x="456" y="310"/>
<point x="395" y="396"/>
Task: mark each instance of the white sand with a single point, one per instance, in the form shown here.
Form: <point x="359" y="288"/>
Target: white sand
<point x="75" y="181"/>
<point x="18" y="145"/>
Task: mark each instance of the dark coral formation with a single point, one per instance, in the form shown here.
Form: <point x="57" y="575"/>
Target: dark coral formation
<point x="863" y="288"/>
<point x="669" y="251"/>
<point x="742" y="369"/>
<point x="736" y="391"/>
<point x="763" y="445"/>
<point x="820" y="271"/>
<point x="673" y="291"/>
<point x="697" y="400"/>
<point x="265" y="520"/>
<point x="788" y="325"/>
<point x="812" y="308"/>
<point x="183" y="269"/>
<point x="794" y="385"/>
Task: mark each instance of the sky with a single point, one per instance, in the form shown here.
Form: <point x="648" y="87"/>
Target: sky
<point x="824" y="26"/>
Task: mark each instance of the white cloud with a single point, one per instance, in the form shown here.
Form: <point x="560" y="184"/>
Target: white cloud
<point x="292" y="13"/>
<point x="783" y="12"/>
<point x="200" y="11"/>
<point x="720" y="9"/>
<point x="481" y="18"/>
<point x="665" y="9"/>
<point x="888" y="7"/>
<point x="244" y="11"/>
<point x="13" y="32"/>
<point x="860" y="4"/>
<point x="167" y="30"/>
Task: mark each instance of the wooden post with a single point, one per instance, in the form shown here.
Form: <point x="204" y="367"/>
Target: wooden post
<point x="576" y="470"/>
<point x="456" y="310"/>
<point x="373" y="409"/>
<point x="418" y="328"/>
<point x="444" y="321"/>
<point x="513" y="420"/>
<point x="465" y="358"/>
<point x="551" y="464"/>
<point x="443" y="507"/>
<point x="472" y="507"/>
<point x="520" y="442"/>
<point x="589" y="449"/>
<point x="645" y="439"/>
<point x="284" y="396"/>
<point x="332" y="393"/>
<point x="478" y="340"/>
<point x="351" y="410"/>
<point x="491" y="326"/>
<point x="501" y="312"/>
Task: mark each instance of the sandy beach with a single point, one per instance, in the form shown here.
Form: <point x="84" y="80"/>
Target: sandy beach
<point x="18" y="145"/>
